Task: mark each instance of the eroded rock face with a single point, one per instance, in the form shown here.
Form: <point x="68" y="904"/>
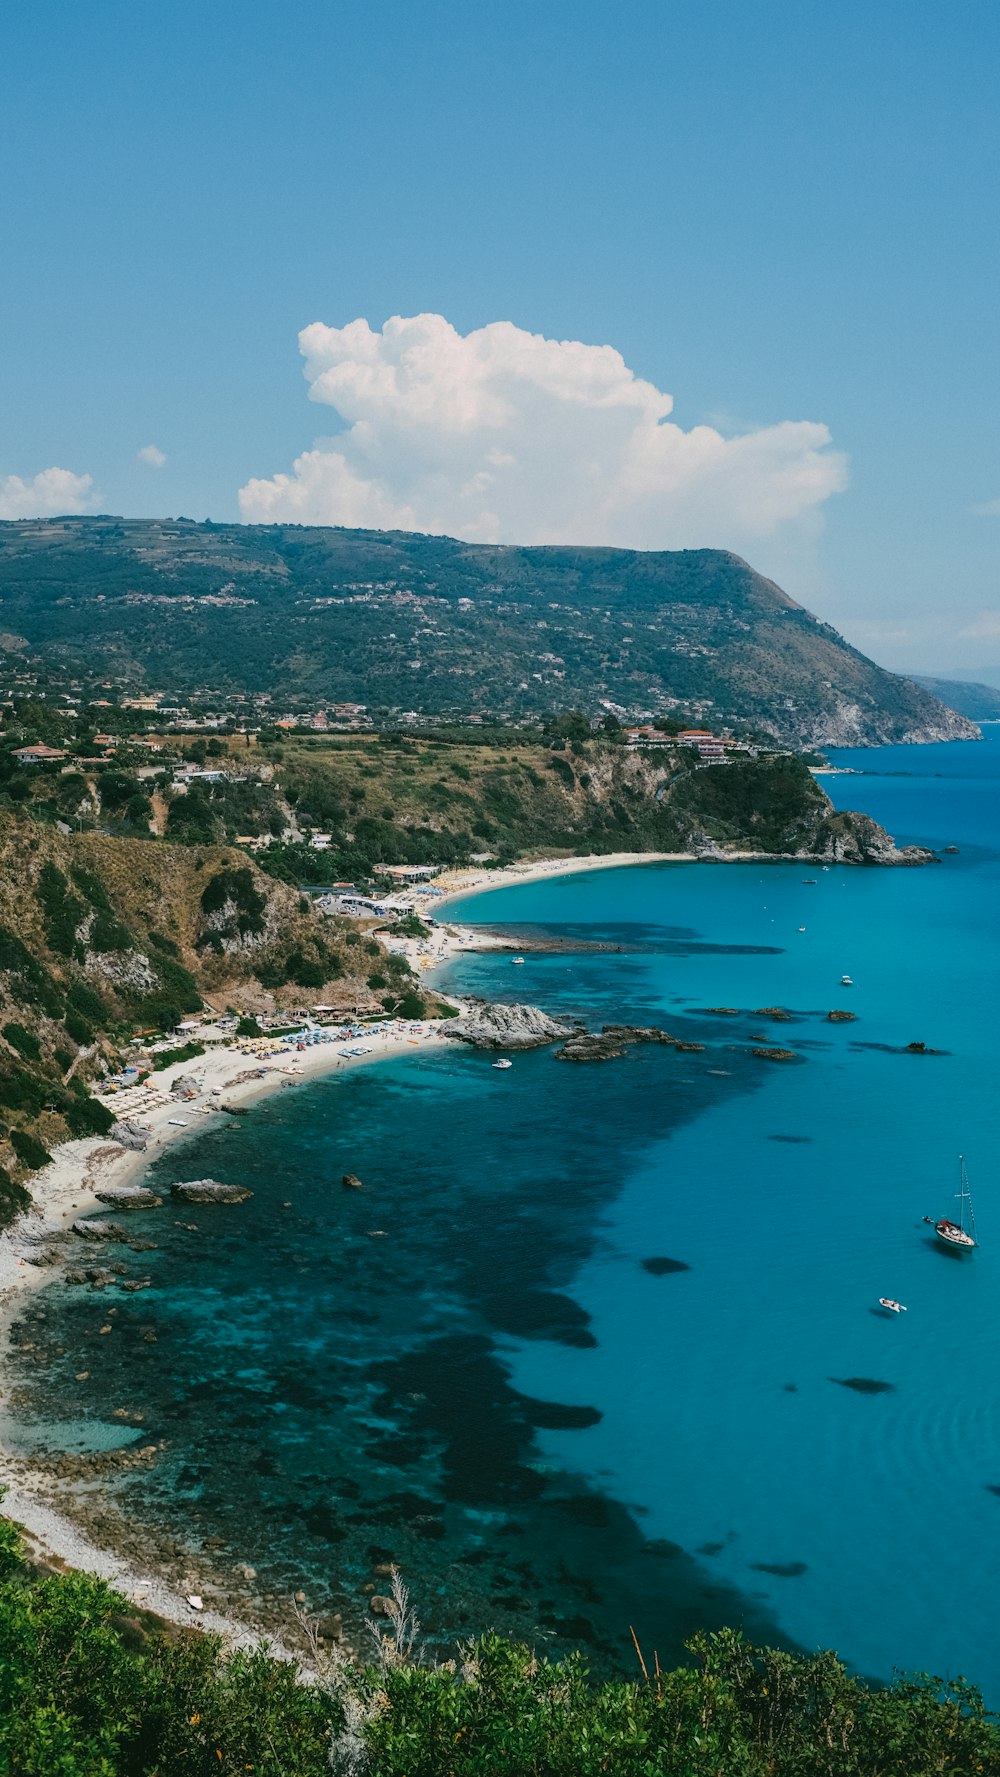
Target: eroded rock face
<point x="491" y="1026"/>
<point x="96" y="1228"/>
<point x="209" y="1190"/>
<point x="845" y="837"/>
<point x="129" y="1135"/>
<point x="125" y="969"/>
<point x="128" y="1197"/>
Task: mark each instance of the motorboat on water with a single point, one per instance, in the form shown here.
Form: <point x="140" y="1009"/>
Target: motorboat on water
<point x="893" y="1306"/>
<point x="503" y="1062"/>
<point x="517" y="959"/>
<point x="845" y="981"/>
<point x="958" y="1236"/>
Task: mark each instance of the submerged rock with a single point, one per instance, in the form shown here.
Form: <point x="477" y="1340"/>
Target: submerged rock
<point x="351" y="1182"/>
<point x="128" y="1196"/>
<point x="612" y="1040"/>
<point x="490" y="1026"/>
<point x="209" y="1190"/>
<point x="775" y="1054"/>
<point x="591" y="1046"/>
<point x="777" y="1013"/>
<point x="841" y="1017"/>
<point x="663" y="1267"/>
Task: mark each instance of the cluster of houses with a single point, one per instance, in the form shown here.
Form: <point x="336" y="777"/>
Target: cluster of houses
<point x="711" y="749"/>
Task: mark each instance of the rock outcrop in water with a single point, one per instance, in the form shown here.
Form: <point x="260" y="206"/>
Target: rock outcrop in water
<point x="844" y="837"/>
<point x="209" y="1190"/>
<point x="612" y="1040"/>
<point x="95" y="1228"/>
<point x="490" y="1026"/>
<point x="128" y="1197"/>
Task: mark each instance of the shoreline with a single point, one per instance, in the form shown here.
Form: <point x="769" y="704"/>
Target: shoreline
<point x="461" y="884"/>
<point x="67" y="1187"/>
<point x="65" y="1190"/>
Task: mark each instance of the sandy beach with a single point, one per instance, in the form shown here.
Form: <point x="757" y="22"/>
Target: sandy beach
<point x="29" y="1259"/>
<point x="226" y="1074"/>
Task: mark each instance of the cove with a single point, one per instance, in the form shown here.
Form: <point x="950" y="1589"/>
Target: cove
<point x="548" y="1434"/>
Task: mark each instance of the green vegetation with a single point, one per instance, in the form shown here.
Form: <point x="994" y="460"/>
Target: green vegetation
<point x="434" y="800"/>
<point x="323" y="614"/>
<point x="981" y="703"/>
<point x="90" y="1689"/>
<point x="28" y="1149"/>
<point x="103" y="937"/>
<point x="180" y="1052"/>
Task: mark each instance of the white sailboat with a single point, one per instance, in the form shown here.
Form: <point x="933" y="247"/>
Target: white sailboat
<point x="956" y="1235"/>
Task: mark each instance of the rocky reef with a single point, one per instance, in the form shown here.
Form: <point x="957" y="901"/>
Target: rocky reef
<point x="612" y="1040"/>
<point x="209" y="1190"/>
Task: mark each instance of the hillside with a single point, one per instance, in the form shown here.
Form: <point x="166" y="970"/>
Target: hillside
<point x="400" y="621"/>
<point x="440" y="797"/>
<point x="981" y="703"/>
<point x="101" y="937"/>
<point x="430" y="800"/>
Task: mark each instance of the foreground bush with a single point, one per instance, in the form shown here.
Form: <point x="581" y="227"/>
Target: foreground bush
<point x="86" y="1692"/>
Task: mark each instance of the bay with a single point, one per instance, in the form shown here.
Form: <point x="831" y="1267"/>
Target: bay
<point x="499" y="1390"/>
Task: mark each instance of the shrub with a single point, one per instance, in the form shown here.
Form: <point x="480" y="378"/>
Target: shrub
<point x="23" y="1041"/>
<point x="13" y="1198"/>
<point x="86" y="1000"/>
<point x="182" y="1052"/>
<point x="21" y="1090"/>
<point x="78" y="1028"/>
<point x="88" y="1116"/>
<point x="248" y="1027"/>
<point x="107" y="933"/>
<point x="29" y="1149"/>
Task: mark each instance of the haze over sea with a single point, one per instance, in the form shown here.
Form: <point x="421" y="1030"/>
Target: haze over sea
<point x="496" y="1393"/>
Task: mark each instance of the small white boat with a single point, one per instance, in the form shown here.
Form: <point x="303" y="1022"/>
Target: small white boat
<point x="517" y="959"/>
<point x="891" y="1303"/>
<point x="802" y="928"/>
<point x="503" y="1063"/>
<point x="845" y="981"/>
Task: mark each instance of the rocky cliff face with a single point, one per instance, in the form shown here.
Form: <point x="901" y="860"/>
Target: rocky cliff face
<point x="489" y="1026"/>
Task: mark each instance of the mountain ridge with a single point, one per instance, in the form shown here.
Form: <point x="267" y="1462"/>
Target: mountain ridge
<point x="399" y="620"/>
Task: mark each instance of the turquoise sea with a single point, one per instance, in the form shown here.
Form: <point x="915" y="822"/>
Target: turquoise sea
<point x="497" y="1392"/>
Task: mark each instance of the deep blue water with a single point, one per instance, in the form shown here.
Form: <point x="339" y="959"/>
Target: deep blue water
<point x="498" y="1394"/>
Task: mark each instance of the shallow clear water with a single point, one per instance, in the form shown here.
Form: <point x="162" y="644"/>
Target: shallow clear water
<point x="498" y="1394"/>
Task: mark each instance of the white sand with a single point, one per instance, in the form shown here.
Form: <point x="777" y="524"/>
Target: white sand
<point x="65" y="1189"/>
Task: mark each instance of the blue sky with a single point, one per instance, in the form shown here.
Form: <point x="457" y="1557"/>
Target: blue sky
<point x="779" y="213"/>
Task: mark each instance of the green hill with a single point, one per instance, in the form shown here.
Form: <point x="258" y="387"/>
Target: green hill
<point x="400" y="621"/>
<point x="981" y="703"/>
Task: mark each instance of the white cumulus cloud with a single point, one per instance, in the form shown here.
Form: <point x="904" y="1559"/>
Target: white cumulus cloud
<point x="153" y="455"/>
<point x="49" y="492"/>
<point x="501" y="435"/>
